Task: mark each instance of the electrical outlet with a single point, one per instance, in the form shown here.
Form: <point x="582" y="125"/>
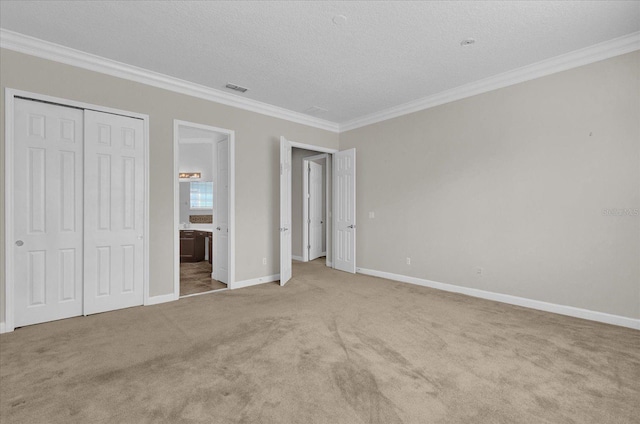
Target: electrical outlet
<point x="479" y="271"/>
<point x="264" y="261"/>
<point x="408" y="261"/>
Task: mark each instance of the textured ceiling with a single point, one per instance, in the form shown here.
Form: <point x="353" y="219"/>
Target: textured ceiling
<point x="292" y="55"/>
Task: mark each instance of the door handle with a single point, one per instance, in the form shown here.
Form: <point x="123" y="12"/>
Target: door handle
<point x="140" y="237"/>
<point x="351" y="226"/>
<point x="218" y="228"/>
<point x="283" y="229"/>
<point x="19" y="243"/>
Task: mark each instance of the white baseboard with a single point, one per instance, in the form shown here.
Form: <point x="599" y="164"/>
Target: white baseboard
<point x="513" y="300"/>
<point x="297" y="258"/>
<point x="330" y="264"/>
<point x="3" y="327"/>
<point x="254" y="281"/>
<point x="164" y="298"/>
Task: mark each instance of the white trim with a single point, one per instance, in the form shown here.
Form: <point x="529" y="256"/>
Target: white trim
<point x="231" y="266"/>
<point x="176" y="211"/>
<point x="313" y="147"/>
<point x="206" y="292"/>
<point x="163" y="298"/>
<point x="10" y="95"/>
<point x="147" y="209"/>
<point x="585" y="56"/>
<point x="199" y="140"/>
<point x="3" y="327"/>
<point x="255" y="281"/>
<point x="46" y="50"/>
<point x="305" y="210"/>
<point x="512" y="300"/>
<point x="298" y="258"/>
<point x="8" y="211"/>
<point x="232" y="209"/>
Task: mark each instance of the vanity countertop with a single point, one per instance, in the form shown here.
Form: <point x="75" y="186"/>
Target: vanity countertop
<point x="198" y="227"/>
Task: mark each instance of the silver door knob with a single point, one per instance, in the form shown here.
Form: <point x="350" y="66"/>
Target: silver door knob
<point x="351" y="226"/>
<point x="218" y="228"/>
<point x="19" y="243"/>
<point x="140" y="237"/>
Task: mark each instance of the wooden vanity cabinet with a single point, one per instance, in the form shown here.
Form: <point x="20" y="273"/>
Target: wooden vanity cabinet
<point x="192" y="245"/>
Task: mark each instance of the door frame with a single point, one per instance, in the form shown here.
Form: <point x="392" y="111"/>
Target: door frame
<point x="10" y="95"/>
<point x="305" y="205"/>
<point x="319" y="149"/>
<point x="231" y="265"/>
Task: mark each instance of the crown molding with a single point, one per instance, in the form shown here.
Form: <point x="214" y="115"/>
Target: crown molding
<point x="46" y="50"/>
<point x="585" y="56"/>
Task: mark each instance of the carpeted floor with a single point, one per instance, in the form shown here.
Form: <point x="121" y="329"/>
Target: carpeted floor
<point x="195" y="277"/>
<point x="328" y="347"/>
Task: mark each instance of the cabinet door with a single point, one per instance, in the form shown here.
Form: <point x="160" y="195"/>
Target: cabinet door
<point x="187" y="248"/>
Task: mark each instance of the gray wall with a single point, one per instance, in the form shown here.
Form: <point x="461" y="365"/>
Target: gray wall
<point x="257" y="157"/>
<point x="514" y="181"/>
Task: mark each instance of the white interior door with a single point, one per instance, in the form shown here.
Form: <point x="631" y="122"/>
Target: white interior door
<point x="114" y="212"/>
<point x="344" y="210"/>
<point x="315" y="210"/>
<point x="47" y="210"/>
<point x="285" y="211"/>
<point x="221" y="213"/>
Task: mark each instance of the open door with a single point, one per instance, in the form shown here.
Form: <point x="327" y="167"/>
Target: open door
<point x="285" y="211"/>
<point x="344" y="210"/>
<point x="221" y="213"/>
<point x="315" y="222"/>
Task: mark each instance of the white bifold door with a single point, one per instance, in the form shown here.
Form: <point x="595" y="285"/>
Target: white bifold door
<point x="78" y="212"/>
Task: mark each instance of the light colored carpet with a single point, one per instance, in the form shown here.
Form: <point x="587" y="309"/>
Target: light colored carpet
<point x="195" y="277"/>
<point x="328" y="347"/>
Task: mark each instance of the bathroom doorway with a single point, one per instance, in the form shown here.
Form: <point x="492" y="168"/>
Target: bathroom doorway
<point x="203" y="208"/>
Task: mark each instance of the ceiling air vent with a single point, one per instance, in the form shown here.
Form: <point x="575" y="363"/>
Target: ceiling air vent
<point x="315" y="110"/>
<point x="236" y="87"/>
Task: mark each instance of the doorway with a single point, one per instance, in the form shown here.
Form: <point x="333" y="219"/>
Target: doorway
<point x="203" y="215"/>
<point x="76" y="211"/>
<point x="341" y="240"/>
<point x="311" y="203"/>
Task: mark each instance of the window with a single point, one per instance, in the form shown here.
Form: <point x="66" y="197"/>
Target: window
<point x="201" y="195"/>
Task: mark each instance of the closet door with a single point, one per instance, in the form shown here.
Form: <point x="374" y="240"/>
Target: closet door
<point x="114" y="212"/>
<point x="47" y="211"/>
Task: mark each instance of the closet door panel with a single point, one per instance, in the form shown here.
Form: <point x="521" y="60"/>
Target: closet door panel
<point x="114" y="212"/>
<point x="47" y="211"/>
